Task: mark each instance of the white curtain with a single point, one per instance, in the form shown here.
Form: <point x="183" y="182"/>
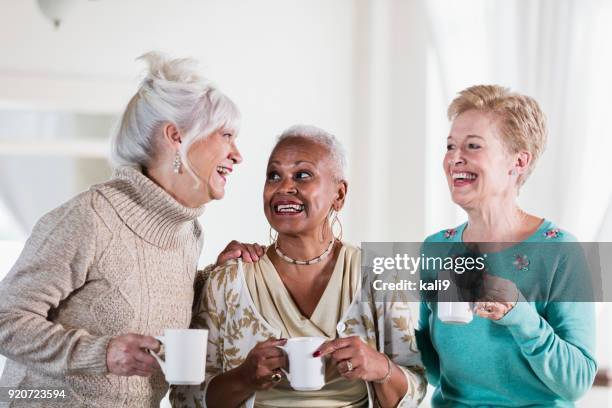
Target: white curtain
<point x="554" y="50"/>
<point x="386" y="150"/>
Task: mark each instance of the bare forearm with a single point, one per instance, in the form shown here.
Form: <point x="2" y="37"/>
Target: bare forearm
<point x="393" y="390"/>
<point x="228" y="390"/>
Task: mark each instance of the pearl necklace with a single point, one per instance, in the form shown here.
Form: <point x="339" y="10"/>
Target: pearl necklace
<point x="312" y="261"/>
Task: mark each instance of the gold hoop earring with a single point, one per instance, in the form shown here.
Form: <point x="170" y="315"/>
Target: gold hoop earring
<point x="326" y="223"/>
<point x="272" y="237"/>
<point x="336" y="220"/>
<point x="329" y="224"/>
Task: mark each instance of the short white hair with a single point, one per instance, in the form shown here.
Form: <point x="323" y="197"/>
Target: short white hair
<point x="172" y="91"/>
<point x="322" y="137"/>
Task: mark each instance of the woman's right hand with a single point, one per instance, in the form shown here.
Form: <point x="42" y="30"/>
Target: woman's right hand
<point x="127" y="355"/>
<point x="234" y="250"/>
<point x="263" y="361"/>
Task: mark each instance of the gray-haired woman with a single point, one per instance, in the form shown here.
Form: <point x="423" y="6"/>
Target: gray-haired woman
<point x="116" y="265"/>
<point x="307" y="284"/>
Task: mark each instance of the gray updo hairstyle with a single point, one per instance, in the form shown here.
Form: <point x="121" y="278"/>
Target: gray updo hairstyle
<point x="320" y="136"/>
<point x="172" y="91"/>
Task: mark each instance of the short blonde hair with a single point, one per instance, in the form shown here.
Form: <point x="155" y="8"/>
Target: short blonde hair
<point x="521" y="124"/>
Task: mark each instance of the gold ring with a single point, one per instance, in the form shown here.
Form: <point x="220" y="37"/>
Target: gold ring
<point x="349" y="365"/>
<point x="276" y="377"/>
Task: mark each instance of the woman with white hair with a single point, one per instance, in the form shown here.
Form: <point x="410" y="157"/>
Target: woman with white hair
<point x="103" y="273"/>
<point x="307" y="284"/>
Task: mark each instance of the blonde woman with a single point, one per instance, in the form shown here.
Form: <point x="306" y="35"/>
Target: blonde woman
<point x="529" y="344"/>
<point x="103" y="273"/>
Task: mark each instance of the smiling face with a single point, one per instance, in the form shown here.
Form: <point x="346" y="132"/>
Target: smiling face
<point x="477" y="164"/>
<point x="301" y="187"/>
<point x="212" y="159"/>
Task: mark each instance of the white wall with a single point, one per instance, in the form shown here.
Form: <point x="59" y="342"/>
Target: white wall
<point x="387" y="147"/>
<point x="283" y="62"/>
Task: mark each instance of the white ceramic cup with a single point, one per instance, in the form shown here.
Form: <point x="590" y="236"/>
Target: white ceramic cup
<point x="455" y="312"/>
<point x="185" y="356"/>
<point x="306" y="373"/>
<point x="450" y="307"/>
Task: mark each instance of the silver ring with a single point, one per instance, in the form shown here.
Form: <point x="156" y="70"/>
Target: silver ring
<point x="349" y="366"/>
<point x="276" y="377"/>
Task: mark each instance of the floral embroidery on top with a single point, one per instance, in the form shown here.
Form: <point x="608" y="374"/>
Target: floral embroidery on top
<point x="235" y="327"/>
<point x="450" y="233"/>
<point x="552" y="233"/>
<point x="521" y="262"/>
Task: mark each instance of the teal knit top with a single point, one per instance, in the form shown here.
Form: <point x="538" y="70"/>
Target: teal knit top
<point x="540" y="354"/>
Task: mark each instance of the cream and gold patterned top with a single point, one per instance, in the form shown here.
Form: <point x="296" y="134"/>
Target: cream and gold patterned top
<point x="275" y="304"/>
<point x="233" y="315"/>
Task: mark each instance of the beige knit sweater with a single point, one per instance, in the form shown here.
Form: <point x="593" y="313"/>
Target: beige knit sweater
<point x="119" y="258"/>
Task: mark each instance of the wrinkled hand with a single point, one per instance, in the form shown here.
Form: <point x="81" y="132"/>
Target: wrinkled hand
<point x="263" y="361"/>
<point x="234" y="250"/>
<point x="499" y="297"/>
<point x="127" y="355"/>
<point x="367" y="363"/>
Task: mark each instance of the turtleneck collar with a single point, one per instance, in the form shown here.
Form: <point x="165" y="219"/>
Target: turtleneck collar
<point x="147" y="209"/>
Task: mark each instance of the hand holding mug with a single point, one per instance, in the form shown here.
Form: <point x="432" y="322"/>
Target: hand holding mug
<point x="354" y="359"/>
<point x="126" y="355"/>
<point x="261" y="370"/>
<point x="184" y="362"/>
<point x="499" y="297"/>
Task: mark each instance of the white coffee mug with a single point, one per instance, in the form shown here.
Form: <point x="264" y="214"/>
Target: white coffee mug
<point x="185" y="356"/>
<point x="306" y="373"/>
<point x="451" y="308"/>
<point x="455" y="312"/>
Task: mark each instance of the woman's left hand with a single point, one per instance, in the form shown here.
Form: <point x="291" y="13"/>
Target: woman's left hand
<point x="354" y="359"/>
<point x="500" y="296"/>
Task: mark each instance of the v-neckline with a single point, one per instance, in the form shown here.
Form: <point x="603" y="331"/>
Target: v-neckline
<point x="315" y="317"/>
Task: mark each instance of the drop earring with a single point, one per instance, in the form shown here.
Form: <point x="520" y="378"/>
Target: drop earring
<point x="176" y="164"/>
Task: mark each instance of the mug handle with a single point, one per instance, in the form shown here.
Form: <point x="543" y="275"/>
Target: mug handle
<point x="282" y="369"/>
<point x="161" y="362"/>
